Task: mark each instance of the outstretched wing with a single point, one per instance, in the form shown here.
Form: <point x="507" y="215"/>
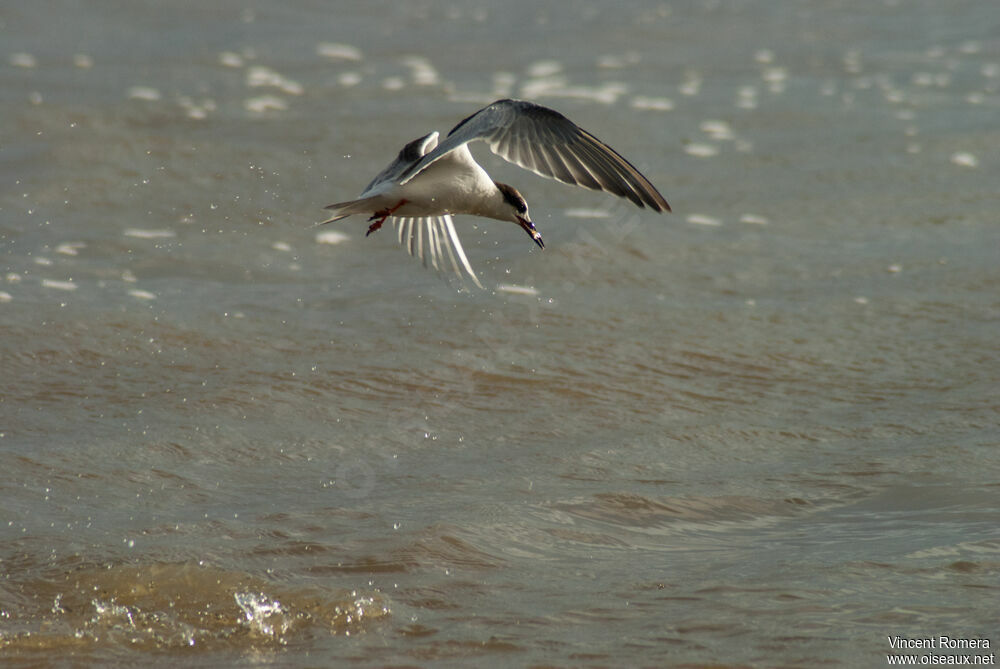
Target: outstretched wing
<point x="408" y="156"/>
<point x="434" y="239"/>
<point x="549" y="144"/>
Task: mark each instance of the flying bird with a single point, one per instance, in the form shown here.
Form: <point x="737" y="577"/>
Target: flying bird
<point x="429" y="182"/>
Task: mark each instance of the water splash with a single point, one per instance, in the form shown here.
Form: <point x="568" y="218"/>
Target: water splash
<point x="263" y="615"/>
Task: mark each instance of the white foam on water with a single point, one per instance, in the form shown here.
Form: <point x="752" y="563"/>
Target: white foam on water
<point x="894" y="96"/>
<point x="691" y="85"/>
<point x="581" y="212"/>
<point x="422" y="71"/>
<point x="776" y="78"/>
<point x="701" y="150"/>
<point x="719" y="130"/>
<point x="331" y="237"/>
<point x="265" y="103"/>
<point x="970" y="47"/>
<point x="537" y="87"/>
<point x="607" y="93"/>
<point x="348" y="79"/>
<point x="924" y="79"/>
<point x="23" y="60"/>
<point x="852" y="61"/>
<point x="764" y="56"/>
<point x="259" y="76"/>
<point x="964" y="159"/>
<point x="652" y="103"/>
<point x="59" y="285"/>
<point x="544" y="68"/>
<point x="746" y="97"/>
<point x="70" y="248"/>
<point x="338" y="51"/>
<point x="147" y="93"/>
<point x="393" y="83"/>
<point x="230" y="59"/>
<point x="617" y="62"/>
<point x="516" y="289"/>
<point x="702" y="219"/>
<point x="197" y="110"/>
<point x="141" y="233"/>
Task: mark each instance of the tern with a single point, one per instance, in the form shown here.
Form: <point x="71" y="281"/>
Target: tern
<point x="429" y="182"/>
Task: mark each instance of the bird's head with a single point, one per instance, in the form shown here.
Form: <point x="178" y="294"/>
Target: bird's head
<point x="519" y="211"/>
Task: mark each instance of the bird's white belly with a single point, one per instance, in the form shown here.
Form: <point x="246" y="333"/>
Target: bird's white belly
<point x="454" y="184"/>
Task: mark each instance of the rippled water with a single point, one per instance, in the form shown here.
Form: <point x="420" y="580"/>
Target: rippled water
<point x="760" y="431"/>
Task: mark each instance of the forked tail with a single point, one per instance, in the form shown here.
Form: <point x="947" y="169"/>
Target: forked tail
<point x="349" y="208"/>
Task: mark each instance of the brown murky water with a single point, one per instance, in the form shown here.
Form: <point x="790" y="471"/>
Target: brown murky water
<point x="760" y="431"/>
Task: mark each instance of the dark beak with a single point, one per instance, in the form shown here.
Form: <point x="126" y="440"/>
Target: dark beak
<point x="529" y="227"/>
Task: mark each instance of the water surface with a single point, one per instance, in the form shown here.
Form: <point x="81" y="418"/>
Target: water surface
<point x="759" y="431"/>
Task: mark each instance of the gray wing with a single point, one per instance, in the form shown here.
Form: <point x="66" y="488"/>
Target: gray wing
<point x="408" y="156"/>
<point x="433" y="238"/>
<point x="549" y="144"/>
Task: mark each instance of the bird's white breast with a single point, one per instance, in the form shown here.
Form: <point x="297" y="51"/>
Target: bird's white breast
<point x="453" y="184"/>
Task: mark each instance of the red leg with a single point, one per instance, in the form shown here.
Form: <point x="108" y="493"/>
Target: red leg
<point x="381" y="216"/>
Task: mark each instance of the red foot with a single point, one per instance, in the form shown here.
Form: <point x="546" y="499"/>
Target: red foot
<point x="381" y="216"/>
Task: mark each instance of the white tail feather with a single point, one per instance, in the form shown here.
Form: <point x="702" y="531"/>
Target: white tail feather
<point x="344" y="209"/>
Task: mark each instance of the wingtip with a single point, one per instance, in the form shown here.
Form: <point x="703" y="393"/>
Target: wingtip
<point x="656" y="201"/>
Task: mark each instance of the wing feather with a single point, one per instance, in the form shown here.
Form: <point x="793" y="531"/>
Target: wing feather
<point x="408" y="156"/>
<point x="429" y="239"/>
<point x="547" y="143"/>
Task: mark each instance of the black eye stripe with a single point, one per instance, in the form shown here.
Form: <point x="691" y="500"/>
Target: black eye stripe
<point x="512" y="197"/>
